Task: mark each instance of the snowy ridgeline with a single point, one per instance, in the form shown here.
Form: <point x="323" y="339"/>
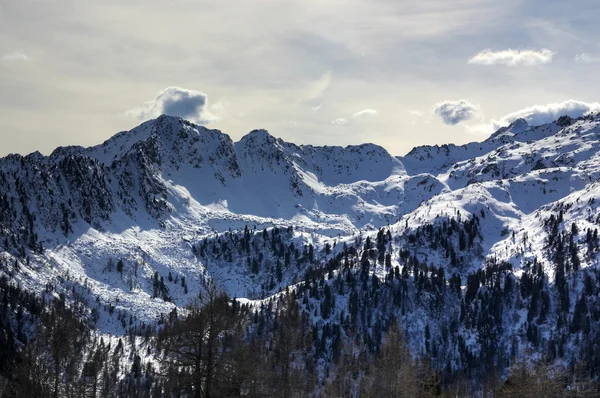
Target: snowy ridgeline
<point x="144" y="222"/>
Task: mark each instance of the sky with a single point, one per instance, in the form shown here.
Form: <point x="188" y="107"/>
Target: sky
<point x="393" y="72"/>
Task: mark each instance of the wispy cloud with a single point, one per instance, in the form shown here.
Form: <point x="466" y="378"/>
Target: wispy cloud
<point x="366" y="113"/>
<point x="16" y="56"/>
<point x="454" y="112"/>
<point x="339" y="121"/>
<point x="217" y="110"/>
<point x="318" y="87"/>
<point x="176" y="101"/>
<point x="512" y="57"/>
<point x="585" y="58"/>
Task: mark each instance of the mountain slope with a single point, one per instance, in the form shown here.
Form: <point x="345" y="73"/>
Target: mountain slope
<point x="450" y="235"/>
<point x="143" y="195"/>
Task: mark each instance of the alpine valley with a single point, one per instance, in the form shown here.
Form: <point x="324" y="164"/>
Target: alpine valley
<point x="303" y="270"/>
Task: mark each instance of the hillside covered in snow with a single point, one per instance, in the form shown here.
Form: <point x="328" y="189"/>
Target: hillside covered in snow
<point x="483" y="253"/>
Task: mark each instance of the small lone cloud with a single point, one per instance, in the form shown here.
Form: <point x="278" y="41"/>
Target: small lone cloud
<point x="317" y="107"/>
<point x="176" y="101"/>
<point x="512" y="57"/>
<point x="454" y="112"/>
<point x="339" y="121"/>
<point x="366" y="113"/>
<point x="16" y="56"/>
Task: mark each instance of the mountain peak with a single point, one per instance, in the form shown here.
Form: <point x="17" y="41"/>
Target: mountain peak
<point x="515" y="128"/>
<point x="165" y="123"/>
<point x="168" y="117"/>
<point x="518" y="123"/>
<point x="565" y="120"/>
<point x="259" y="135"/>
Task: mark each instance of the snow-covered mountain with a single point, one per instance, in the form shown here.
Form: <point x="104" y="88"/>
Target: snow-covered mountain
<point x="145" y="194"/>
<point x="141" y="223"/>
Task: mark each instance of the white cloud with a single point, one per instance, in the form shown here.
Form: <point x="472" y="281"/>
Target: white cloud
<point x="417" y="113"/>
<point x="366" y="113"/>
<point x="585" y="58"/>
<point x="339" y="121"/>
<point x="512" y="57"/>
<point x="16" y="56"/>
<point x="317" y="107"/>
<point x="539" y="114"/>
<point x="454" y="112"/>
<point x="176" y="101"/>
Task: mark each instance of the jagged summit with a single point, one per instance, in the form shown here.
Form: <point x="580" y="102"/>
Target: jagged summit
<point x="438" y="159"/>
<point x="167" y="168"/>
<point x="259" y="135"/>
<point x="512" y="130"/>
